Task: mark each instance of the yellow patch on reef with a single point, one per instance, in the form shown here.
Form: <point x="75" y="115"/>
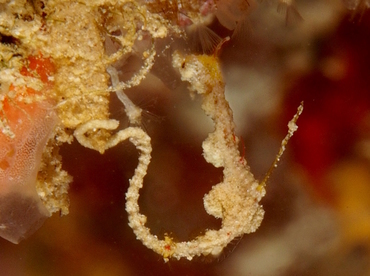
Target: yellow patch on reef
<point x="211" y="64"/>
<point x="350" y="185"/>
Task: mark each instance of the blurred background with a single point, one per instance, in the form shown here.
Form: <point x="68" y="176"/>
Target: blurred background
<point x="317" y="219"/>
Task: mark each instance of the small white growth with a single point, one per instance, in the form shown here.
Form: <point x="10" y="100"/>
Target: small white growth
<point x="132" y="111"/>
<point x="136" y="135"/>
<point x="292" y="127"/>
